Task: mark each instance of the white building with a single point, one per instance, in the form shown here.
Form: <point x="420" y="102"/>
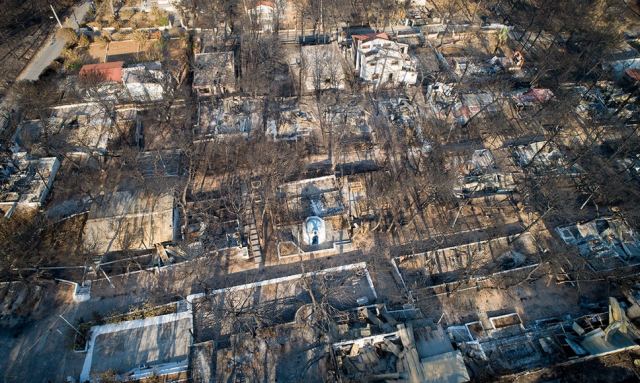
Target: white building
<point x="25" y="182"/>
<point x="378" y="60"/>
<point x="265" y="15"/>
<point x="144" y="82"/>
<point x="314" y="232"/>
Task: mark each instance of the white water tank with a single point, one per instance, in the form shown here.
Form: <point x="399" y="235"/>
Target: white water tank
<point x="314" y="231"/>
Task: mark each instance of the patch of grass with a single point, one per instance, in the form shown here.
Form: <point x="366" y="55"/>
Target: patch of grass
<point x="80" y="340"/>
<point x="73" y="66"/>
<point x="146" y="310"/>
<point x="162" y="21"/>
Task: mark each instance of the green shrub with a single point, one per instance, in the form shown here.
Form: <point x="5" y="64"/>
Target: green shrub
<point x="83" y="41"/>
<point x="69" y="35"/>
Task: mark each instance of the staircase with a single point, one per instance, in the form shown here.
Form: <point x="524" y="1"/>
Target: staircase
<point x="249" y="227"/>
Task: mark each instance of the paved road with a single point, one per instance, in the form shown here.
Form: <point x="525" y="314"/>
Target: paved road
<point x="47" y="53"/>
<point x="53" y="46"/>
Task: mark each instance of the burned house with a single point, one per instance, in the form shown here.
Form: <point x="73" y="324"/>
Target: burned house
<point x="474" y="104"/>
<point x="238" y="309"/>
<point x="466" y="267"/>
<point x="228" y="118"/>
<point x="25" y="182"/>
<point x="275" y="354"/>
<point x="78" y="129"/>
<point x="503" y="345"/>
<point x="544" y="156"/>
<point x="274" y="332"/>
<point x="214" y="225"/>
<point x="533" y="96"/>
<point x="606" y="243"/>
<point x="355" y="193"/>
<point x="404" y="115"/>
<point x="161" y="164"/>
<point x="214" y="73"/>
<point x="480" y="175"/>
<point x="293" y="121"/>
<point x="355" y="139"/>
<point x="630" y="165"/>
<point x="441" y="98"/>
<point x="626" y="56"/>
<point x="477" y="68"/>
<point x="411" y="354"/>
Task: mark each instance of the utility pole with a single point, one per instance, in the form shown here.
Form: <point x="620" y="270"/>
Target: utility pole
<point x="56" y="15"/>
<point x="321" y="20"/>
<point x="97" y="267"/>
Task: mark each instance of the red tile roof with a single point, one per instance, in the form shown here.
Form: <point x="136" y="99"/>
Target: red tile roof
<point x="111" y="71"/>
<point x="266" y="4"/>
<point x="633" y="74"/>
<point x="371" y="36"/>
<point x="534" y="95"/>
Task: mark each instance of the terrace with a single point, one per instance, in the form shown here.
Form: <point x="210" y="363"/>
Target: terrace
<point x="138" y="349"/>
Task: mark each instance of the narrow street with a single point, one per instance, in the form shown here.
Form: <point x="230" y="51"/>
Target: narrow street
<point x="48" y="52"/>
<point x="54" y="45"/>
